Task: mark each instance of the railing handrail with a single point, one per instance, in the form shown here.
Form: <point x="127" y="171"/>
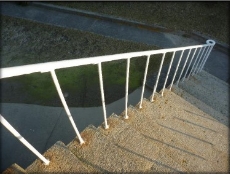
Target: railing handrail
<point x="198" y="65"/>
<point x="49" y="66"/>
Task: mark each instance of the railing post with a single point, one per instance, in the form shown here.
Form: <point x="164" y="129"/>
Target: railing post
<point x="102" y="94"/>
<point x="168" y="73"/>
<point x="144" y="80"/>
<point x="212" y="43"/>
<point x="176" y="69"/>
<point x="193" y="66"/>
<point x="189" y="64"/>
<point x="57" y="85"/>
<point x="198" y="62"/>
<point x="203" y="59"/>
<point x="158" y="75"/>
<point x="127" y="89"/>
<point x="20" y="138"/>
<point x="183" y="67"/>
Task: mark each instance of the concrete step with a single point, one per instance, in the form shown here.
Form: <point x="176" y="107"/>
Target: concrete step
<point x="175" y="133"/>
<point x="210" y="90"/>
<point x="14" y="169"/>
<point x="197" y="143"/>
<point x="129" y="139"/>
<point x="122" y="149"/>
<point x="216" y="116"/>
<point x="212" y="80"/>
<point x="62" y="160"/>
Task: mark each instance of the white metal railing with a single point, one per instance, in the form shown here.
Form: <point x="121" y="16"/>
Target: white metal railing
<point x="197" y="62"/>
<point x="20" y="138"/>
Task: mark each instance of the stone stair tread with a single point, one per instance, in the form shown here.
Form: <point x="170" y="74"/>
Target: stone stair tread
<point x="209" y="90"/>
<point x="186" y="130"/>
<point x="208" y="93"/>
<point x="61" y="160"/>
<point x="125" y="136"/>
<point x="14" y="169"/>
<point x="157" y="125"/>
<point x="212" y="80"/>
<point x="207" y="83"/>
<point x="215" y="115"/>
<point x="102" y="150"/>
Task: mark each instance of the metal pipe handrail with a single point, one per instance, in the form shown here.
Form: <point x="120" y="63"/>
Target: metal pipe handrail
<point x="170" y="65"/>
<point x="49" y="66"/>
<point x="158" y="76"/>
<point x="60" y="93"/>
<point x="144" y="81"/>
<point x="127" y="89"/>
<point x="194" y="63"/>
<point x="183" y="67"/>
<point x="197" y="66"/>
<point x="20" y="138"/>
<point x="174" y="76"/>
<point x="189" y="64"/>
<point x="102" y="95"/>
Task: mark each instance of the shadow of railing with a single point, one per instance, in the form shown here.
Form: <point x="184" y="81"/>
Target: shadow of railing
<point x="174" y="147"/>
<point x="194" y="124"/>
<point x="190" y="136"/>
<point x="149" y="159"/>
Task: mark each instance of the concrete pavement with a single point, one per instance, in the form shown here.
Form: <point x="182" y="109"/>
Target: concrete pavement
<point x="42" y="126"/>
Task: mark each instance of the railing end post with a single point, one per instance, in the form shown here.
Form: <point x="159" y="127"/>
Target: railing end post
<point x="210" y="41"/>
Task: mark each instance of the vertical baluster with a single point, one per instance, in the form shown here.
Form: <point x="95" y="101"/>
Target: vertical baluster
<point x="102" y="94"/>
<point x="168" y="73"/>
<point x="144" y="81"/>
<point x="189" y="64"/>
<point x="183" y="67"/>
<point x="155" y="86"/>
<point x="211" y="43"/>
<point x="176" y="69"/>
<point x="57" y="85"/>
<point x="202" y="61"/>
<point x="20" y="138"/>
<point x="193" y="66"/>
<point x="127" y="89"/>
<point x="198" y="62"/>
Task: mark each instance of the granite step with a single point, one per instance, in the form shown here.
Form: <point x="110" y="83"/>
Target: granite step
<point x="14" y="169"/>
<point x="201" y="143"/>
<point x="216" y="115"/>
<point x="62" y="160"/>
<point x="210" y="90"/>
<point x="122" y="149"/>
